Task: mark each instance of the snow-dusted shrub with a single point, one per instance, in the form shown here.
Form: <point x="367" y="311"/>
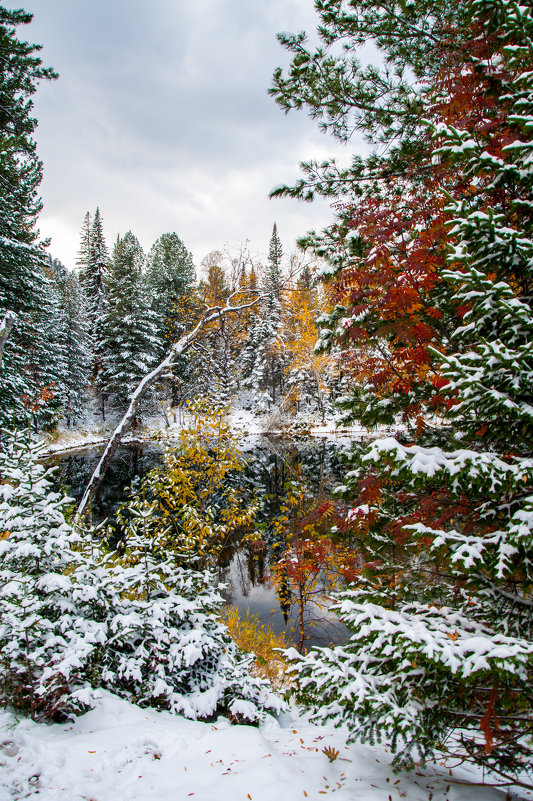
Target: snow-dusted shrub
<point x="167" y="647"/>
<point x="414" y="676"/>
<point x="52" y="625"/>
<point x="137" y="624"/>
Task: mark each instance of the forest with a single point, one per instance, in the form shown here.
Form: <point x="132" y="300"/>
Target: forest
<point x="409" y="318"/>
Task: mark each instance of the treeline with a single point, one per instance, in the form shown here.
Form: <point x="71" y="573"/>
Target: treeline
<point x="81" y="340"/>
<point x="98" y="330"/>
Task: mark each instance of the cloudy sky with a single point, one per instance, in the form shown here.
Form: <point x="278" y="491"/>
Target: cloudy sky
<point x="161" y="118"/>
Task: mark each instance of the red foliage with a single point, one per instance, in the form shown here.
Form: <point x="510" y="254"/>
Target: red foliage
<point x="394" y="312"/>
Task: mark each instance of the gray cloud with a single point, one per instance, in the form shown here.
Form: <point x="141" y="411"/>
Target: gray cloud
<point x="161" y="117"/>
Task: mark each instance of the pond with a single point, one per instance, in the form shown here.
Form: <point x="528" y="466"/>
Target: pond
<point x="270" y="464"/>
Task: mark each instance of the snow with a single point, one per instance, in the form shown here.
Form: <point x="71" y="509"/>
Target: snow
<point x="119" y="752"/>
<point x="246" y="422"/>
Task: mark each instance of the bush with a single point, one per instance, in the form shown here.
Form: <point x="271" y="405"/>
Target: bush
<point x="136" y="624"/>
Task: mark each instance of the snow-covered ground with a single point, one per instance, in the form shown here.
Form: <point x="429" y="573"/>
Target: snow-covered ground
<point x="119" y="752"/>
<point x="243" y="421"/>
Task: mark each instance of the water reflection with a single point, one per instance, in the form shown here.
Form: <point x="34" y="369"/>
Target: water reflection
<point x="258" y="597"/>
<point x="272" y="465"/>
<point x="131" y="463"/>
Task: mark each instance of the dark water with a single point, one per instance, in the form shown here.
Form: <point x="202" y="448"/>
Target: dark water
<point x="271" y="464"/>
<point x="130" y="464"/>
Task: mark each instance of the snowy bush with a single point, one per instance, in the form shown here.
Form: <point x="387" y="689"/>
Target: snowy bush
<point x="167" y="647"/>
<point x="52" y="625"/>
<point x="74" y="620"/>
<point x="412" y="675"/>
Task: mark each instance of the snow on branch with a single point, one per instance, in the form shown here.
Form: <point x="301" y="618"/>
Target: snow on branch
<point x="179" y="348"/>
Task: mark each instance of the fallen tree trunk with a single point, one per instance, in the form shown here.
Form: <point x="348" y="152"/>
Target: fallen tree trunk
<point x="178" y="349"/>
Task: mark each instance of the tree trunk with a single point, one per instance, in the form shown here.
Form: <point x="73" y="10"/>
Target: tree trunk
<point x="5" y="329"/>
<point x="178" y="349"/>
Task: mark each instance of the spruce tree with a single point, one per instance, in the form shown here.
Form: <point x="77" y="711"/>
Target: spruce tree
<point x="73" y="621"/>
<point x="263" y="361"/>
<point x="84" y="252"/>
<point x="75" y="344"/>
<point x="275" y="251"/>
<point x="168" y="647"/>
<point x="53" y="363"/>
<point x="98" y="267"/>
<point x="129" y="326"/>
<point x="52" y="623"/>
<point x="170" y="275"/>
<point x="93" y="262"/>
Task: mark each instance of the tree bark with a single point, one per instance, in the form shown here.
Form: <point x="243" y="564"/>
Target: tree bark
<point x="180" y="347"/>
<point x="5" y="329"/>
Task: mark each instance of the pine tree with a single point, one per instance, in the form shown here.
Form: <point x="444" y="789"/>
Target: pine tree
<point x="275" y="252"/>
<point x="263" y="360"/>
<point x="21" y="258"/>
<point x="53" y="364"/>
<point x="441" y="655"/>
<point x="129" y="339"/>
<point x="72" y="621"/>
<point x="51" y="628"/>
<point x="75" y="344"/>
<point x="93" y="262"/>
<point x="84" y="252"/>
<point x="168" y="648"/>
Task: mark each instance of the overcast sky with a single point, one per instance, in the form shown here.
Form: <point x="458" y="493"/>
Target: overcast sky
<point x="161" y="118"/>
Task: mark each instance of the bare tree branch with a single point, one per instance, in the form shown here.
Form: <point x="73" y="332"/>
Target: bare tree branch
<point x="5" y="329"/>
<point x="179" y="348"/>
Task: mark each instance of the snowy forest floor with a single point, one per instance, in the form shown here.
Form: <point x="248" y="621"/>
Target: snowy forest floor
<point x="119" y="752"/>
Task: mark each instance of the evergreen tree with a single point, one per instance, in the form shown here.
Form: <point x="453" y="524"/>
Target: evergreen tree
<point x="168" y="648"/>
<point x="51" y="629"/>
<point x="129" y="340"/>
<point x="441" y="656"/>
<point x="84" y="252"/>
<point x="53" y="363"/>
<point x="170" y="275"/>
<point x="263" y="360"/>
<point x="96" y="293"/>
<point x="94" y="266"/>
<point x="75" y="344"/>
<point x="275" y="251"/>
<point x="135" y="624"/>
<point x="97" y="269"/>
<point x="21" y="258"/>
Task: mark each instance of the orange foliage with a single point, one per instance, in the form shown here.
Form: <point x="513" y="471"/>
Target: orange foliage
<point x="390" y="290"/>
<point x="40" y="397"/>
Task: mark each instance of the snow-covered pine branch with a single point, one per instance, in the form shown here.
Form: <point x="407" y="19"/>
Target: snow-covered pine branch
<point x="178" y="349"/>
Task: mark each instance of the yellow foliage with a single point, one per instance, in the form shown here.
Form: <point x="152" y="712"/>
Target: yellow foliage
<point x="191" y="508"/>
<point x="304" y="305"/>
<point x="257" y="638"/>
